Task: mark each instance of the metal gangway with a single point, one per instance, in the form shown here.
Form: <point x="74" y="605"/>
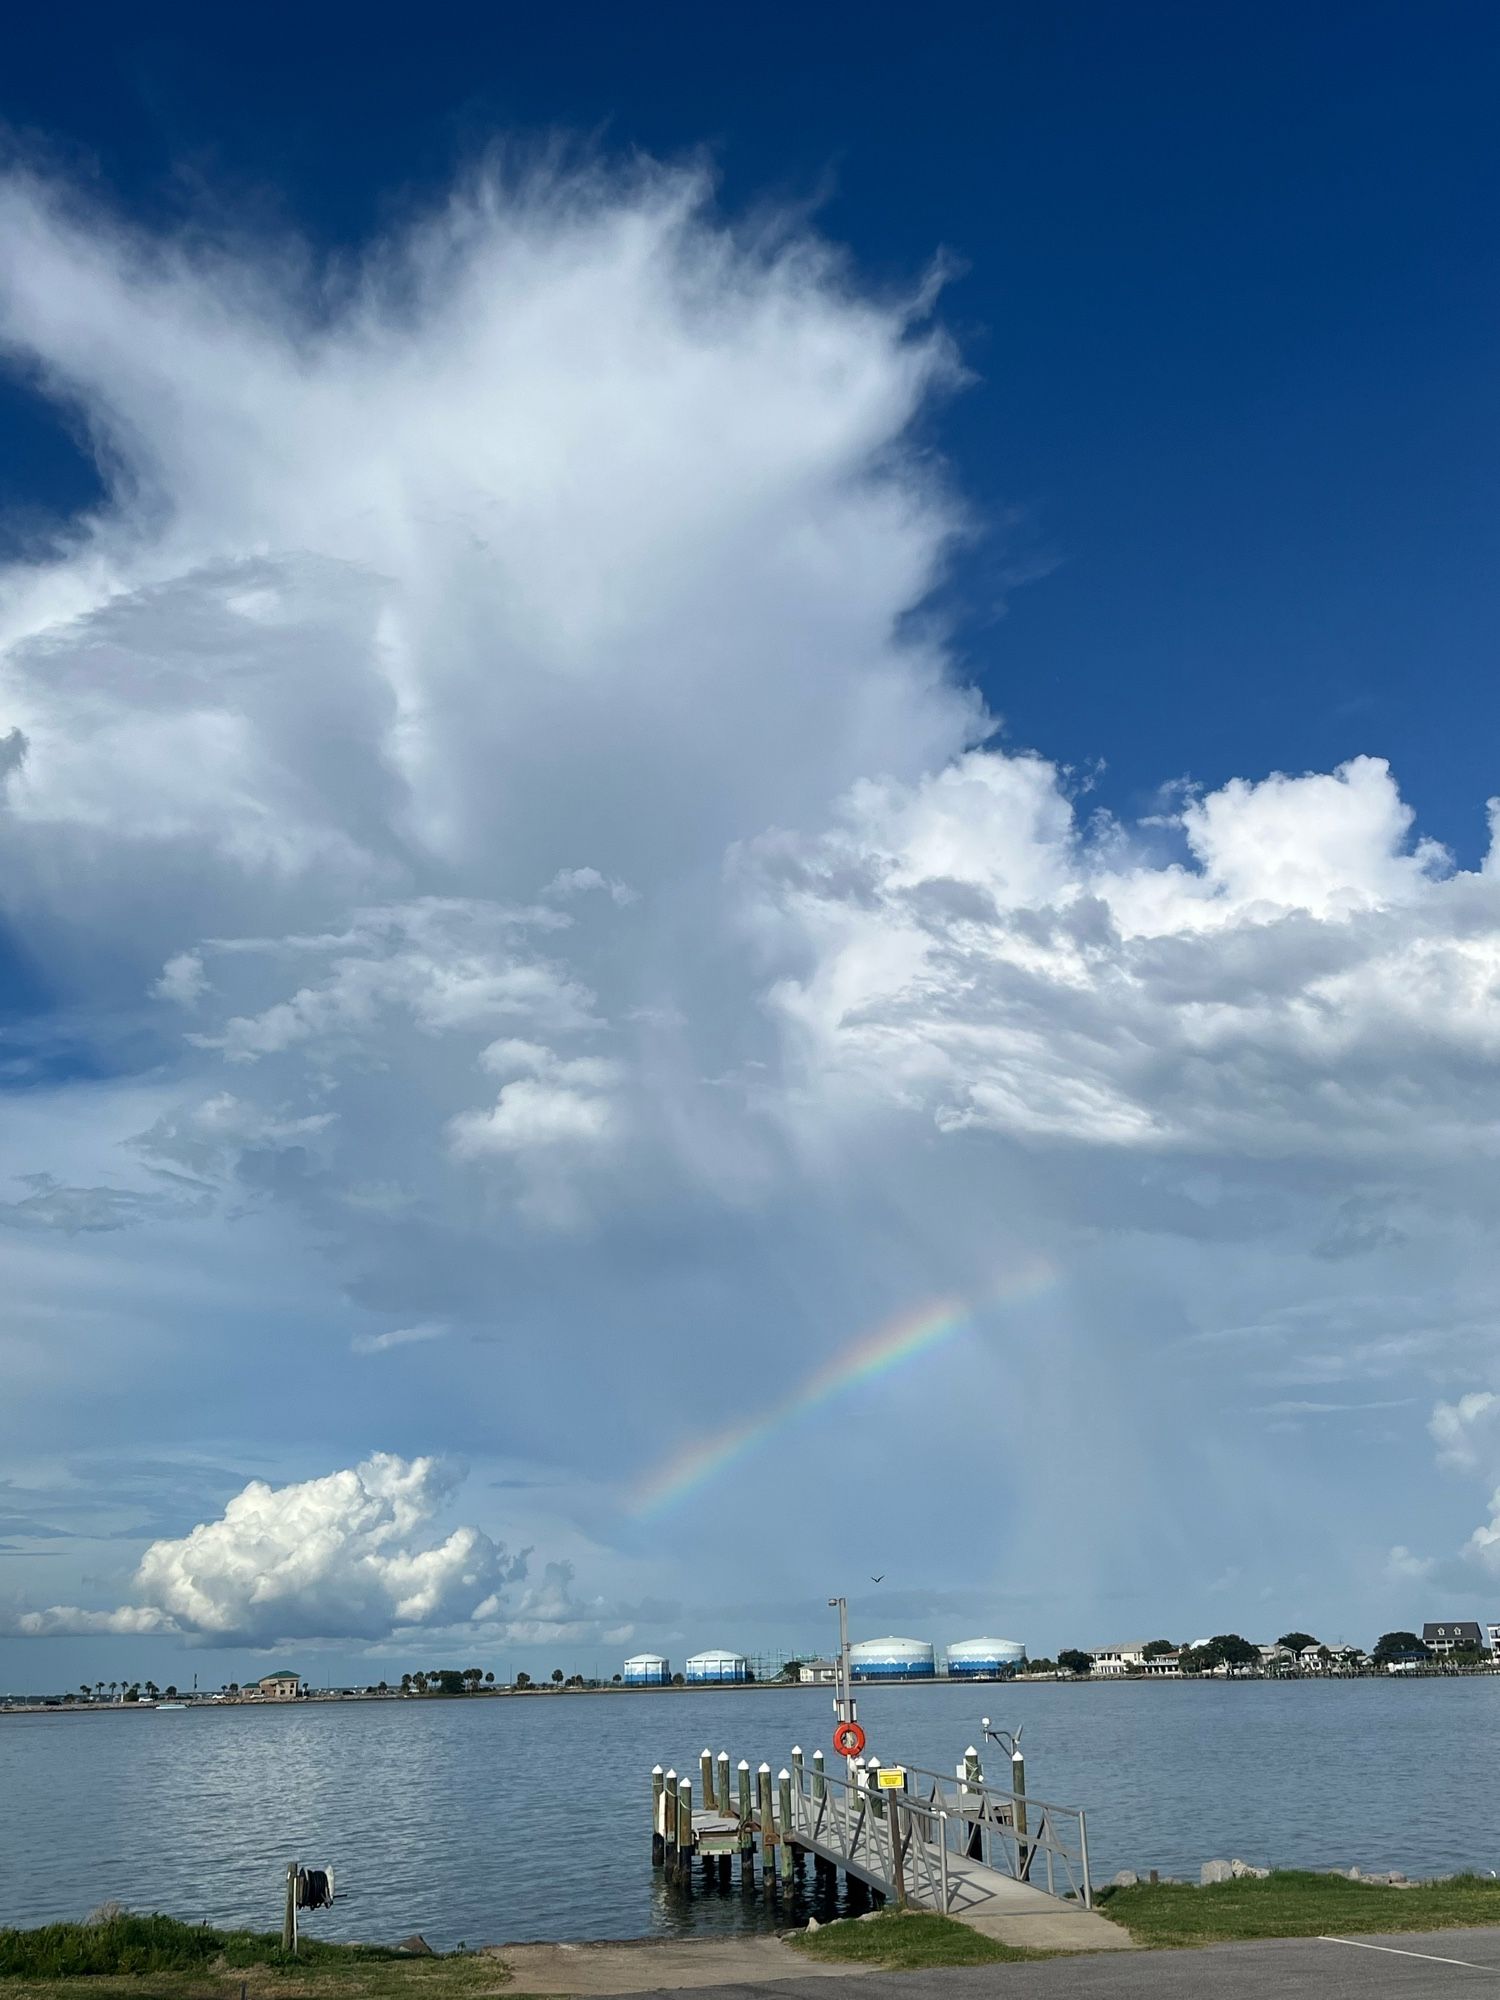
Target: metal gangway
<point x="959" y="1845"/>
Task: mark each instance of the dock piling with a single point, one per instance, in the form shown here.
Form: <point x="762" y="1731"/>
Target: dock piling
<point x="658" y="1831"/>
<point x="747" y="1829"/>
<point x="1018" y="1787"/>
<point x="685" y="1832"/>
<point x="723" y="1792"/>
<point x="973" y="1775"/>
<point x="669" y="1822"/>
<point x="784" y="1836"/>
<point x="767" y="1825"/>
<point x="706" y="1774"/>
<point x="819" y="1778"/>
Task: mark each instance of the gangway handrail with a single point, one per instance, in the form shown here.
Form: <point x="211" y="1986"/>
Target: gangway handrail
<point x="1027" y="1826"/>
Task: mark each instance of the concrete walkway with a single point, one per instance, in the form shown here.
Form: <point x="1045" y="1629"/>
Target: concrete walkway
<point x="665" y="1965"/>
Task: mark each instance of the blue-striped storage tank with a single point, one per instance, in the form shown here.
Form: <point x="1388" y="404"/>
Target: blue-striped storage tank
<point x="647" y="1670"/>
<point x="892" y="1659"/>
<point x="717" y="1667"/>
<point x="984" y="1659"/>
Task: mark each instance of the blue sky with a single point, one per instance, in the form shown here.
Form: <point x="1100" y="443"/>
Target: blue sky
<point x="514" y="543"/>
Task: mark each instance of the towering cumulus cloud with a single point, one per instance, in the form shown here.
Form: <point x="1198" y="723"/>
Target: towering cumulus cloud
<point x="326" y="1558"/>
<point x="513" y="899"/>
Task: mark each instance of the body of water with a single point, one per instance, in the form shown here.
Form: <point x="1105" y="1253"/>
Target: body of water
<point x="485" y="1821"/>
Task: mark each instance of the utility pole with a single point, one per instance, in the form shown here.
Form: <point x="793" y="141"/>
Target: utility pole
<point x="844" y="1705"/>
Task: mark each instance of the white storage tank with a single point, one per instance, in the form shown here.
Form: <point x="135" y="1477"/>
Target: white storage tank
<point x="892" y="1660"/>
<point x="984" y="1659"/>
<point x="717" y="1667"/>
<point x="647" y="1670"/>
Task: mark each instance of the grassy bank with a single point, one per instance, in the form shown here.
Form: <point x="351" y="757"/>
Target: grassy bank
<point x="907" y="1942"/>
<point x="1290" y="1903"/>
<point x="157" y="1955"/>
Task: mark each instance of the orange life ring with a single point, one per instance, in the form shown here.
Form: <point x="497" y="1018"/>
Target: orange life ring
<point x="849" y="1739"/>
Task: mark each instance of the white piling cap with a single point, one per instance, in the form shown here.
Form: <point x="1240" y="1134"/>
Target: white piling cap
<point x="706" y="1751"/>
<point x="765" y="1767"/>
<point x="656" y="1770"/>
<point x="796" y="1749"/>
<point x="971" y="1751"/>
<point x="723" y="1756"/>
<point x="784" y="1773"/>
<point x="671" y="1774"/>
<point x="744" y="1763"/>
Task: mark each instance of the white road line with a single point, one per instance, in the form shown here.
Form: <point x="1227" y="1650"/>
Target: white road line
<point x="1396" y="1952"/>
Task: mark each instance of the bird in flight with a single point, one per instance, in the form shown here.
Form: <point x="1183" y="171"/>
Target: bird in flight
<point x="878" y="1579"/>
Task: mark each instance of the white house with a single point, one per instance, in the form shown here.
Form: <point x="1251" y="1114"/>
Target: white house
<point x="1112" y="1661"/>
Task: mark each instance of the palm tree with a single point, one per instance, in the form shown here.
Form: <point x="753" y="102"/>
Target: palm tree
<point x="152" y="1689"/>
<point x="489" y="1680"/>
<point x="98" y="1690"/>
<point x="112" y="1686"/>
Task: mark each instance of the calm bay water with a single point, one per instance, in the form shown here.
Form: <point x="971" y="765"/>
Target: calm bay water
<point x="489" y="1821"/>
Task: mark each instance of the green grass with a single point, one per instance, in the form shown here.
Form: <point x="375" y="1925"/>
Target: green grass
<point x="114" y="1956"/>
<point x="907" y="1941"/>
<point x="1290" y="1903"/>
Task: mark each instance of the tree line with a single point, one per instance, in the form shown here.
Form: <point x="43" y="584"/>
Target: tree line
<point x="1230" y="1650"/>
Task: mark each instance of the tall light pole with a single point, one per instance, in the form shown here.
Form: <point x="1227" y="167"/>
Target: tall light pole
<point x="843" y="1701"/>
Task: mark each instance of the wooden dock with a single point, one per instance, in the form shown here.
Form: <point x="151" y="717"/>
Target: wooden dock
<point x="1011" y="1865"/>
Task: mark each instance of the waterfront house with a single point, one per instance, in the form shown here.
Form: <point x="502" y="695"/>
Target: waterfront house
<point x="1458" y="1634"/>
<point x="1492" y="1633"/>
<point x="818" y="1671"/>
<point x="1163" y="1667"/>
<point x="1112" y="1661"/>
<point x="280" y="1686"/>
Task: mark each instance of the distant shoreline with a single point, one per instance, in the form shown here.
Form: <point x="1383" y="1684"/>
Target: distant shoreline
<point x="395" y="1697"/>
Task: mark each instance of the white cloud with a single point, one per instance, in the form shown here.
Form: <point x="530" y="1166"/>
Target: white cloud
<point x="572" y="539"/>
<point x="348" y="1556"/>
<point x="1467" y="1432"/>
<point x="182" y="979"/>
<point x="1315" y="985"/>
<point x="400" y="1336"/>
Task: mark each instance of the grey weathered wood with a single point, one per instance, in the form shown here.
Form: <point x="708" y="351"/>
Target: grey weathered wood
<point x="723" y="1791"/>
<point x="685" y="1830"/>
<point x="784" y="1837"/>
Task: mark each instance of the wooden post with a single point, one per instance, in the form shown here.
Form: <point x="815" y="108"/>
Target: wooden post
<point x="784" y="1838"/>
<point x="658" y="1835"/>
<point x="820" y="1778"/>
<point x="706" y="1774"/>
<point x="974" y="1775"/>
<point x="1018" y="1787"/>
<point x="289" y="1915"/>
<point x="685" y="1831"/>
<point x="767" y="1824"/>
<point x="723" y="1793"/>
<point x="872" y="1786"/>
<point x="797" y="1764"/>
<point x="898" y="1859"/>
<point x="747" y="1829"/>
<point x="669" y="1821"/>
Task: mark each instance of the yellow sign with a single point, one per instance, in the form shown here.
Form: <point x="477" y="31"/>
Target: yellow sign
<point x="893" y="1780"/>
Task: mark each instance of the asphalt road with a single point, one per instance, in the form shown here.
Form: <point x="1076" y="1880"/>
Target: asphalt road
<point x="1417" y="1965"/>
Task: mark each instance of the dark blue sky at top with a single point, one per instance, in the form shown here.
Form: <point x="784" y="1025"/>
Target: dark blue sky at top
<point x="1228" y="286"/>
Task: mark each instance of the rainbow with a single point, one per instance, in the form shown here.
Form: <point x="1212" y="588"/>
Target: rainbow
<point x="866" y="1359"/>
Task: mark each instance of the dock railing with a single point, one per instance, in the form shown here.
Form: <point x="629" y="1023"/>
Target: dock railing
<point x="1014" y="1833"/>
<point x="896" y="1838"/>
